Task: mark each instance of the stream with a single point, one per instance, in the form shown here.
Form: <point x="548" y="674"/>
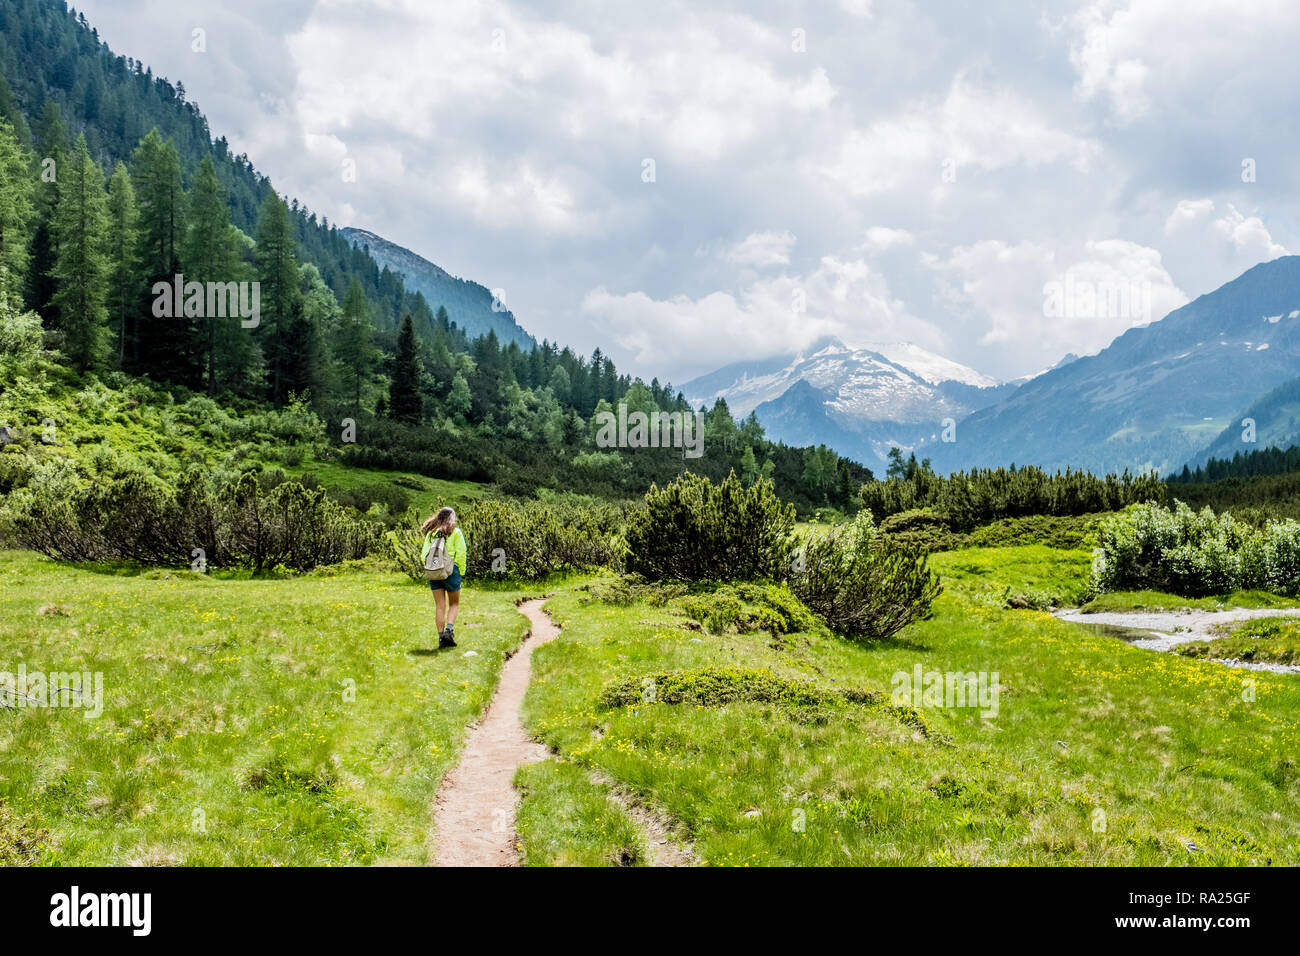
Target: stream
<point x="1165" y="630"/>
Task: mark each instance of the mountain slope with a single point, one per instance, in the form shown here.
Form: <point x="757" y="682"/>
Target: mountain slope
<point x="57" y="75"/>
<point x="1154" y="396"/>
<point x="803" y="415"/>
<point x="468" y="304"/>
<point x="1276" y="418"/>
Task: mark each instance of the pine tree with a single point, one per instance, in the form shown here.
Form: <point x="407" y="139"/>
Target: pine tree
<point x="352" y="344"/>
<point x="310" y="370"/>
<point x="52" y="144"/>
<point x="209" y="254"/>
<point x="277" y="271"/>
<point x="15" y="216"/>
<point x="81" y="268"/>
<point x="404" y="402"/>
<point x="163" y="345"/>
<point x="123" y="274"/>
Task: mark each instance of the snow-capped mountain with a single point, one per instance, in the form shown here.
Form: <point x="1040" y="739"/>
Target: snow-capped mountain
<point x="893" y="382"/>
<point x="857" y="400"/>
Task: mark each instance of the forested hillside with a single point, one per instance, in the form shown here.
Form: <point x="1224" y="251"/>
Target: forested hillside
<point x="114" y="194"/>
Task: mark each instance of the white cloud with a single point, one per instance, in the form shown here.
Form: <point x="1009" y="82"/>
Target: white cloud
<point x="1028" y="298"/>
<point x="970" y="127"/>
<point x="881" y="238"/>
<point x="514" y="157"/>
<point x="1216" y="242"/>
<point x="761" y="249"/>
<point x="843" y="297"/>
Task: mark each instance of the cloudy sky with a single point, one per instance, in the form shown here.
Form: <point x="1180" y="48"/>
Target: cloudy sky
<point x="686" y="187"/>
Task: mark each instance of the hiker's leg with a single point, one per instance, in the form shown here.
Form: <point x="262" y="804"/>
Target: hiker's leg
<point x="453" y="599"/>
<point x="440" y="603"/>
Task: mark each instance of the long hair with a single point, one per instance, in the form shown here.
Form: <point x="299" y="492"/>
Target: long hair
<point x="443" y="522"/>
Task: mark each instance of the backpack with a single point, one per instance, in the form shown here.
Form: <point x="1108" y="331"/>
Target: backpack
<point x="438" y="563"/>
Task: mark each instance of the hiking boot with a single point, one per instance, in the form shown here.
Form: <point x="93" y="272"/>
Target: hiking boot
<point x="445" y="639"/>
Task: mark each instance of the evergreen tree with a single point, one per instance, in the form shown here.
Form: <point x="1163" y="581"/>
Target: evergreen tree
<point x="209" y="254"/>
<point x="15" y="216"/>
<point x="52" y="143"/>
<point x="123" y="274"/>
<point x="277" y="271"/>
<point x="81" y="268"/>
<point x="404" y="402"/>
<point x="160" y="345"/>
<point x="352" y="344"/>
<point x="310" y="369"/>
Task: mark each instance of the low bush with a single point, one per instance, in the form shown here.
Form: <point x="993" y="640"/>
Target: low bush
<point x="859" y="584"/>
<point x="695" y="530"/>
<point x="800" y="700"/>
<point x="1067" y="532"/>
<point x="135" y="517"/>
<point x="749" y="607"/>
<point x="1195" y="554"/>
<point x="923" y="530"/>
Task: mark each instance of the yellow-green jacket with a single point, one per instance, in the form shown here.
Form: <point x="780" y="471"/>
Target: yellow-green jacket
<point x="456" y="547"/>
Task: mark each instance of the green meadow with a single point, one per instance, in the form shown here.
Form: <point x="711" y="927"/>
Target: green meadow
<point x="306" y="720"/>
<point x="297" y="721"/>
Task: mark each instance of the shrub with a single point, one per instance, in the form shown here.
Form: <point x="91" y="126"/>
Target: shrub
<point x="921" y="529"/>
<point x="860" y="585"/>
<point x="749" y="607"/>
<point x="1194" y="554"/>
<point x="391" y="499"/>
<point x="1068" y="532"/>
<point x="21" y="337"/>
<point x="982" y="495"/>
<point x="135" y="517"/>
<point x="626" y="590"/>
<point x="694" y="530"/>
<point x="800" y="700"/>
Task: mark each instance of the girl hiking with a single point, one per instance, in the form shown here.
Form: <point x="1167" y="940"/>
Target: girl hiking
<point x="446" y="558"/>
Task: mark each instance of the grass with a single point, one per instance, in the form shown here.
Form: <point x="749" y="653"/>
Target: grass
<point x="1100" y="753"/>
<point x="427" y="495"/>
<point x="303" y="720"/>
<point x="568" y="819"/>
<point x="1274" y="640"/>
<point x="298" y="721"/>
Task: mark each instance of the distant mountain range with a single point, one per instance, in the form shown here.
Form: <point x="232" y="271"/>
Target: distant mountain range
<point x="1160" y="395"/>
<point x="468" y="304"/>
<point x="860" y="401"/>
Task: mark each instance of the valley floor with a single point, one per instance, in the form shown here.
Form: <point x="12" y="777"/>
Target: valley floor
<point x="305" y="721"/>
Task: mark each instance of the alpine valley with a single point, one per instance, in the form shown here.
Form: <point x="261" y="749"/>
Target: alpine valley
<point x="1203" y="381"/>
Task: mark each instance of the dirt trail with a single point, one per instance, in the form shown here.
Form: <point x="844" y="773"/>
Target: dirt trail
<point x="474" y="818"/>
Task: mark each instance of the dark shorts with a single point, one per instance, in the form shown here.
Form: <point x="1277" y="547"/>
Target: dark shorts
<point x="450" y="583"/>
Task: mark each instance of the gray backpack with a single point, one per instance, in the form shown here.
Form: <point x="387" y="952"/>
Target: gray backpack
<point x="438" y="563"/>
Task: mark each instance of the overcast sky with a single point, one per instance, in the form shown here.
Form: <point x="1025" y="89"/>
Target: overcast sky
<point x="909" y="171"/>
